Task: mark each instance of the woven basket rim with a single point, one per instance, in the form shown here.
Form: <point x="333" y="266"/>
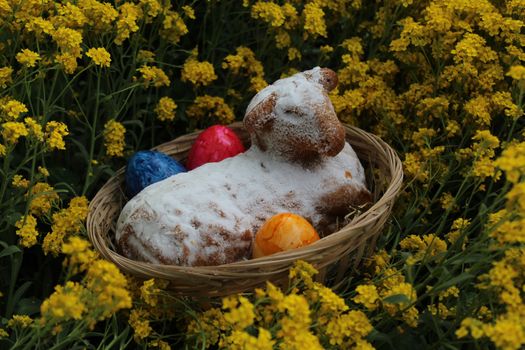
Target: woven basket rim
<point x="266" y="266"/>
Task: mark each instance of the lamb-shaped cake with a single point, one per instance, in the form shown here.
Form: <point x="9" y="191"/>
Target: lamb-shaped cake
<point x="298" y="162"/>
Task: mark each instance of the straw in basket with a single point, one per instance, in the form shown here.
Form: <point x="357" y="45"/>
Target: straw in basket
<point x="332" y="255"/>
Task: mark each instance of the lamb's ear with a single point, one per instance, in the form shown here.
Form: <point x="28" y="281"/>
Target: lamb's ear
<point x="328" y="79"/>
<point x="261" y="116"/>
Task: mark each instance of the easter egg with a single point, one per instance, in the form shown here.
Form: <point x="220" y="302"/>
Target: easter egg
<point x="147" y="167"/>
<point x="214" y="144"/>
<point x="282" y="232"/>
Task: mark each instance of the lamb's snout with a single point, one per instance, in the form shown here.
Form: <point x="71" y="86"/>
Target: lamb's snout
<point x="333" y="135"/>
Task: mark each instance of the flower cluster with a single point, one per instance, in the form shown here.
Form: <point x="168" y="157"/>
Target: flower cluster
<point x="198" y="73"/>
<point x="211" y="107"/>
<point x="276" y="318"/>
<point x="244" y="63"/>
<point x="102" y="291"/>
<point x="65" y="222"/>
<point x="114" y="138"/>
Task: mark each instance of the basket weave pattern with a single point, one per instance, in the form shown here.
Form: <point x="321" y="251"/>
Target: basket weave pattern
<point x="337" y="251"/>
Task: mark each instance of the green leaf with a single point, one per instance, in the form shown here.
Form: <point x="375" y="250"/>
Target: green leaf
<point x="397" y="299"/>
<point x="12" y="249"/>
<point x="17" y="296"/>
<point x="28" y="306"/>
<point x="465" y="276"/>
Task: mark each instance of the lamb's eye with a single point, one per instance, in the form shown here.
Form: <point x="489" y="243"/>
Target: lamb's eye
<point x="295" y="111"/>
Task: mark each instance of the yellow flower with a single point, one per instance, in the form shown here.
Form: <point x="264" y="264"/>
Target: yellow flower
<point x="109" y="287"/>
<point x="510" y="231"/>
<point x="348" y="329"/>
<point x="80" y="254"/>
<point x="512" y="162"/>
<point x="302" y="272"/>
<point x="100" y="15"/>
<point x="12" y="131"/>
<point x="20" y="182"/>
<point x="21" y="321"/>
<point x="213" y="106"/>
<point x="282" y="39"/>
<point x="410" y="314"/>
<point x="64" y="304"/>
<point x="243" y="62"/>
<point x="160" y="344"/>
<point x="2" y="150"/>
<point x="294" y="54"/>
<point x="210" y="323"/>
<point x="517" y="72"/>
<point x="27" y="231"/>
<point x="452" y="128"/>
<point x="145" y="56"/>
<point x="241" y="313"/>
<point x="43" y="171"/>
<point x="507" y="332"/>
<point x="173" y="27"/>
<point x="5" y="76"/>
<point x="188" y="11"/>
<point x="457" y="229"/>
<point x="42" y="197"/>
<point x="291" y="16"/>
<point x="39" y="25"/>
<point x="473" y="46"/>
<point x="295" y="325"/>
<point x="11" y="109"/>
<point x="114" y="138"/>
<point x="154" y="75"/>
<point x="27" y="58"/>
<point x="268" y="12"/>
<point x="68" y="40"/>
<point x="99" y="56"/>
<point x="198" y="73"/>
<point x="54" y="135"/>
<point x="66" y="221"/>
<point x="240" y="340"/>
<point x="3" y="333"/>
<point x="34" y="129"/>
<point x="367" y="296"/>
<point x="69" y="16"/>
<point x="425" y="247"/>
<point x="166" y="109"/>
<point x="257" y="83"/>
<point x="353" y="45"/>
<point x="479" y="108"/>
<point x="67" y="61"/>
<point x="447" y="201"/>
<point x="326" y="49"/>
<point x="314" y="23"/>
<point x="331" y="303"/>
<point x="151" y="9"/>
<point x="149" y="292"/>
<point x="130" y="13"/>
<point x="139" y="323"/>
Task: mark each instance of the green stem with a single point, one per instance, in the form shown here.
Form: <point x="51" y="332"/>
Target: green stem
<point x="93" y="136"/>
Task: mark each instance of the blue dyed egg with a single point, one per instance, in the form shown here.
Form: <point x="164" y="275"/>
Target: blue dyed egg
<point x="147" y="167"/>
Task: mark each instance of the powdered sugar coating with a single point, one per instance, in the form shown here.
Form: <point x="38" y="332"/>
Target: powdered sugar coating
<point x="295" y="119"/>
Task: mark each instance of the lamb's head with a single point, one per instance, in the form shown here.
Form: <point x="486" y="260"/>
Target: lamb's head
<point x="294" y="117"/>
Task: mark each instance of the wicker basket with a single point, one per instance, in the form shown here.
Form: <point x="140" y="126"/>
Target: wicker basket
<point x="333" y="255"/>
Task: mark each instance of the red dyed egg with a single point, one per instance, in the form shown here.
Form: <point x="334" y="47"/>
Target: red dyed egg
<point x="214" y="144"/>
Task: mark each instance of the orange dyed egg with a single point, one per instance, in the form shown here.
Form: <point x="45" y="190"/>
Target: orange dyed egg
<point x="282" y="232"/>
